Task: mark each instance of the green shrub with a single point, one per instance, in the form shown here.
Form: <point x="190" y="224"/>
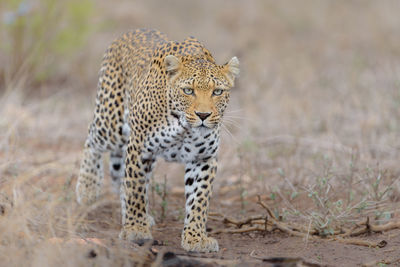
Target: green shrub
<point x="37" y="34"/>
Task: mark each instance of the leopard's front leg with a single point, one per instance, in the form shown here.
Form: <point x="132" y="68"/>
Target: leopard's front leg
<point x="134" y="201"/>
<point x="198" y="188"/>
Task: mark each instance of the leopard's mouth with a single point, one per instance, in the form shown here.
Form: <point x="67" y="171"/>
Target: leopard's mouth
<point x="204" y="125"/>
<point x="187" y="121"/>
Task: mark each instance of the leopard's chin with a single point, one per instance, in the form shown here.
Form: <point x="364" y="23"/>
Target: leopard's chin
<point x="204" y="127"/>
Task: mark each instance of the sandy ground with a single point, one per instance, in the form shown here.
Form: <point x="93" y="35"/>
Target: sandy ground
<point x="313" y="127"/>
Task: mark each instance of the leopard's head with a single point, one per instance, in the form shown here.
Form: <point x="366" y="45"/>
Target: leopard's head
<point x="199" y="89"/>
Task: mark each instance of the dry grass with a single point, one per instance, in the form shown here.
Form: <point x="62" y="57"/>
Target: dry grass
<point x="313" y="124"/>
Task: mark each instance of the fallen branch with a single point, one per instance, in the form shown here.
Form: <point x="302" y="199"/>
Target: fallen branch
<point x="236" y="231"/>
<point x="268" y="209"/>
<point x="366" y="227"/>
<point x="238" y="223"/>
<point x="385" y="227"/>
<point x="360" y="242"/>
<point x="271" y="222"/>
<point x="382" y="262"/>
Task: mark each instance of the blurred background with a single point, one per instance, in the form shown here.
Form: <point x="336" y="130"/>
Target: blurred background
<point x="317" y="102"/>
<point x="311" y="68"/>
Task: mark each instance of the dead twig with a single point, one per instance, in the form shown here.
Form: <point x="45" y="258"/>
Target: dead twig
<point x="365" y="227"/>
<point x="238" y="223"/>
<point x="376" y="263"/>
<point x="268" y="209"/>
<point x="385" y="227"/>
<point x="236" y="231"/>
<point x="360" y="242"/>
<point x="270" y="222"/>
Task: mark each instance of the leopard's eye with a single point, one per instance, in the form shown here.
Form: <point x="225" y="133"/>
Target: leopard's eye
<point x="217" y="92"/>
<point x="188" y="91"/>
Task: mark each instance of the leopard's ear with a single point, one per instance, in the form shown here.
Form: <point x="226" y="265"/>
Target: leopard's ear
<point x="232" y="69"/>
<point x="172" y="65"/>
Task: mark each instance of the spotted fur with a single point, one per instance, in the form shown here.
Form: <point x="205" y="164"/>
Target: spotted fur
<point x="157" y="98"/>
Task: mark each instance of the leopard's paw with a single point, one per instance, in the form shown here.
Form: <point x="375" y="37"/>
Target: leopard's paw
<point x="135" y="233"/>
<point x="200" y="243"/>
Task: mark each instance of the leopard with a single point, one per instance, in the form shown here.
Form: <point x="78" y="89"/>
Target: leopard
<point x="157" y="98"/>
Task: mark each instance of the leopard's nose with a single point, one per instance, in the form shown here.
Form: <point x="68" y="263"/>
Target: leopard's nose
<point x="203" y="115"/>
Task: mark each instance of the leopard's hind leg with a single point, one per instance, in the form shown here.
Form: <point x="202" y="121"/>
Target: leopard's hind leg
<point x="108" y="131"/>
<point x="91" y="174"/>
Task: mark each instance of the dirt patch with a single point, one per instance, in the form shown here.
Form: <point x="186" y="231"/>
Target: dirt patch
<point x="249" y="249"/>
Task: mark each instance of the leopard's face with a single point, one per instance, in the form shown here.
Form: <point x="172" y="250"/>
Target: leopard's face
<point x="199" y="89"/>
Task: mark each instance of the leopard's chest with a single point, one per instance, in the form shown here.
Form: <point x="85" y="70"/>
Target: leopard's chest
<point x="178" y="144"/>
